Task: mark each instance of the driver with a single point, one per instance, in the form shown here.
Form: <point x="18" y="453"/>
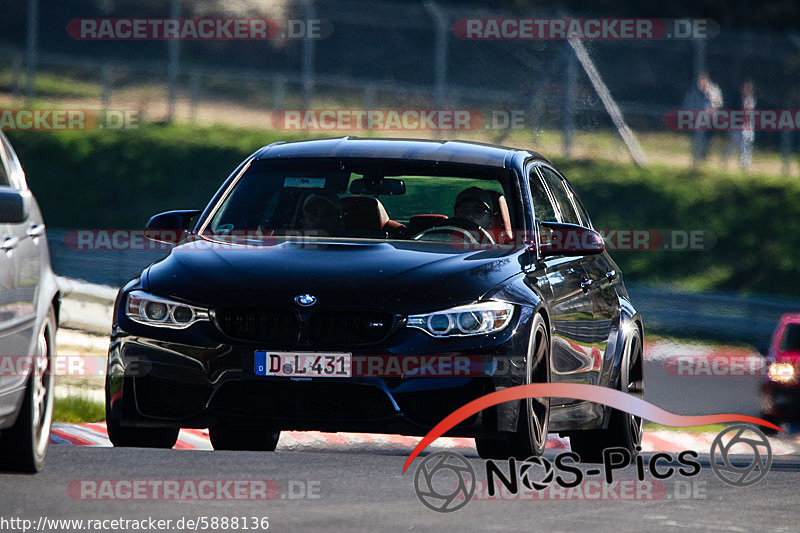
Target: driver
<point x="474" y="204"/>
<point x="321" y="214"/>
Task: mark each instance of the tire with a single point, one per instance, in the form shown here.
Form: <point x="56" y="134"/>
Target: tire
<point x="136" y="437"/>
<point x="530" y="438"/>
<point x="244" y="438"/>
<point x="23" y="447"/>
<point x="624" y="430"/>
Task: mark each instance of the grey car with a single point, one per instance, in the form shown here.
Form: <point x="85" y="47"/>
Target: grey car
<point x="29" y="302"/>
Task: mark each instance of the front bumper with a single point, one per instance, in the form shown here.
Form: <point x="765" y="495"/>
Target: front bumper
<point x="155" y="383"/>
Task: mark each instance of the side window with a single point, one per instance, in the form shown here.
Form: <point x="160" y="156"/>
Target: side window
<point x="585" y="220"/>
<point x="13" y="167"/>
<point x="4" y="180"/>
<point x="561" y="196"/>
<point x="542" y="204"/>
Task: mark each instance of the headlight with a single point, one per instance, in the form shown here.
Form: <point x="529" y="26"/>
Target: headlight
<point x="160" y="312"/>
<point x="783" y="373"/>
<point x="475" y="319"/>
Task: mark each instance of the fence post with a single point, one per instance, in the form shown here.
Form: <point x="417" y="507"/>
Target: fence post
<point x="173" y="65"/>
<point x="369" y="96"/>
<point x="699" y="57"/>
<point x="786" y="152"/>
<point x="32" y="50"/>
<point x="568" y="103"/>
<point x="194" y="95"/>
<point x="440" y="53"/>
<point x="16" y="74"/>
<point x="105" y="95"/>
<point x="278" y="92"/>
<point x="307" y="73"/>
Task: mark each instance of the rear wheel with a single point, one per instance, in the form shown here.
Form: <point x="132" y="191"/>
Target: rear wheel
<point x="624" y="429"/>
<point x="244" y="437"/>
<point x="530" y="438"/>
<point x="23" y="447"/>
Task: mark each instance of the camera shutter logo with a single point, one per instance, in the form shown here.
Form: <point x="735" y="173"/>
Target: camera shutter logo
<point x="444" y="481"/>
<point x="722" y="449"/>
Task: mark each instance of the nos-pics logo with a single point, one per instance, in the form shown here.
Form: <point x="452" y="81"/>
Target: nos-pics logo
<point x="445" y="481"/>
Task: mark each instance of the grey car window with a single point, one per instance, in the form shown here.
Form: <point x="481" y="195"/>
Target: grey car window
<point x="4" y="180"/>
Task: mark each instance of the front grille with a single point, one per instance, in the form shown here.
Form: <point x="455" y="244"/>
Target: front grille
<point x="261" y="325"/>
<point x="348" y="327"/>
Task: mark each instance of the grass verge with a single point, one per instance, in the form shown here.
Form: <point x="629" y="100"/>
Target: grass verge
<point x="78" y="410"/>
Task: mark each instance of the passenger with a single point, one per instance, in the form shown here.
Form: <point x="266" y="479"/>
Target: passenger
<point x="321" y="214"/>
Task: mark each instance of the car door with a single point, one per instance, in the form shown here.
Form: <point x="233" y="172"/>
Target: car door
<point x="29" y="235"/>
<point x="20" y="271"/>
<point x="600" y="272"/>
<point x="9" y="317"/>
<point x="571" y="312"/>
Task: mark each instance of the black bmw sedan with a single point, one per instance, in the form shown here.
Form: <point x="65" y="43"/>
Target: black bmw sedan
<point x="375" y="286"/>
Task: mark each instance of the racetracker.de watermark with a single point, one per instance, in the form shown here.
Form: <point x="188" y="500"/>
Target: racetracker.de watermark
<point x="193" y="490"/>
<point x="400" y="119"/>
<point x="66" y="365"/>
<point x="196" y="29"/>
<point x="623" y="29"/>
<point x="67" y="119"/>
<point x="633" y="240"/>
<point x="733" y="120"/>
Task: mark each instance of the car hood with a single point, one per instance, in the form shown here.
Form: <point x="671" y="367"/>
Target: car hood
<point x="401" y="276"/>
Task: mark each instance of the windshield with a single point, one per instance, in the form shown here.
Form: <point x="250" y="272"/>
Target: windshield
<point x="791" y="339"/>
<point x="323" y="200"/>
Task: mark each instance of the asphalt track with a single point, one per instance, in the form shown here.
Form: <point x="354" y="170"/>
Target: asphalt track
<point x="368" y="492"/>
<point x="347" y="482"/>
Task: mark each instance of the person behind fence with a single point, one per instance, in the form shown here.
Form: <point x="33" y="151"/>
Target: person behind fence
<point x="743" y="140"/>
<point x="705" y="96"/>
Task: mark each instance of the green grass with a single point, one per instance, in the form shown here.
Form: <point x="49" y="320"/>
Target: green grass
<point x="77" y="410"/>
<point x="53" y="85"/>
<point x="710" y="428"/>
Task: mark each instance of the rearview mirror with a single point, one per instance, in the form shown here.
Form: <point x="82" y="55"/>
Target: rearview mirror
<point x="377" y="185"/>
<point x="569" y="239"/>
<point x="14" y="205"/>
<point x="169" y="227"/>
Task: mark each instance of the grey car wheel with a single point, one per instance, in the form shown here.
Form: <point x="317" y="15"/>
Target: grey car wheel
<point x="23" y="447"/>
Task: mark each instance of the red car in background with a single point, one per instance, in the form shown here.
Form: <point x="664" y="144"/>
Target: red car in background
<point x="780" y="389"/>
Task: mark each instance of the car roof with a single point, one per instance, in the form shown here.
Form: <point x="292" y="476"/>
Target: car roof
<point x="433" y="151"/>
<point x="790" y="318"/>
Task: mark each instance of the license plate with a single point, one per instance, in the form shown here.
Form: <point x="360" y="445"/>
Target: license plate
<point x="303" y="364"/>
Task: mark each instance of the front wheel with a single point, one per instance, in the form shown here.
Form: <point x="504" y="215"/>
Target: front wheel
<point x="23" y="447"/>
<point x="530" y="438"/>
<point x="624" y="429"/>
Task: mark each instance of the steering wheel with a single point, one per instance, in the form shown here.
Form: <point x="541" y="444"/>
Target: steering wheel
<point x="463" y="227"/>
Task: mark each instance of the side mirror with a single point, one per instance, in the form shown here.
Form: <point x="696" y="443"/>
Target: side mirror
<point x="14" y="205"/>
<point x="169" y="227"/>
<point x="569" y="239"/>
